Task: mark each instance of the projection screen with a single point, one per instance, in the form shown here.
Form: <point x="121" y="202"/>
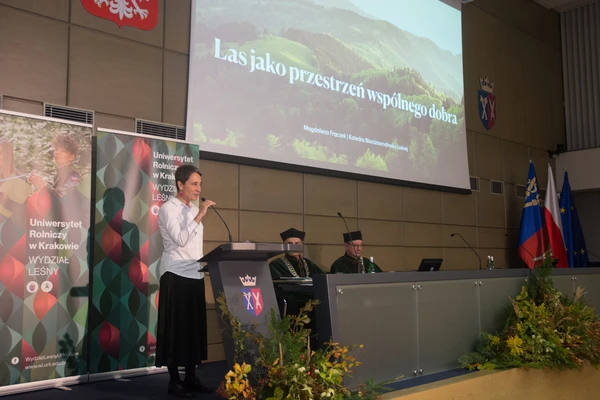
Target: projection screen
<point x="371" y="88"/>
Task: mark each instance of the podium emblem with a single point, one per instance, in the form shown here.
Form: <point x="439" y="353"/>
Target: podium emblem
<point x="252" y="295"/>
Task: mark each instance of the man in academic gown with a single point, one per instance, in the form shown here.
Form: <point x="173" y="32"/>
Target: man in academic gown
<point x="349" y="263"/>
<point x="293" y="264"/>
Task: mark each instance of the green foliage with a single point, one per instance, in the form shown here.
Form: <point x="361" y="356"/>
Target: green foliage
<point x="351" y="41"/>
<point x="287" y="51"/>
<point x="341" y="159"/>
<point x="285" y="367"/>
<point x="274" y="143"/>
<point x="543" y="330"/>
<point x="423" y="154"/>
<point x="233" y="139"/>
<point x="333" y="56"/>
<point x="316" y="151"/>
<point x="341" y="46"/>
<point x="263" y="104"/>
<point x="199" y="135"/>
<point x="34" y="152"/>
<point x="540" y="285"/>
<point x="372" y="161"/>
<point x="429" y="153"/>
<point x="312" y="151"/>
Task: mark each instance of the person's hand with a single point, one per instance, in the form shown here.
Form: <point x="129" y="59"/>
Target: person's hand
<point x="36" y="180"/>
<point x="204" y="207"/>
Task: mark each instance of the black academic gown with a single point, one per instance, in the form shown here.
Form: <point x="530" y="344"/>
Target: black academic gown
<point x="279" y="268"/>
<point x="349" y="265"/>
<point x="295" y="300"/>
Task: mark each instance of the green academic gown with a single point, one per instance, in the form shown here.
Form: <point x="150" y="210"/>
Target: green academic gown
<point x="295" y="301"/>
<point x="348" y="265"/>
<point x="279" y="268"/>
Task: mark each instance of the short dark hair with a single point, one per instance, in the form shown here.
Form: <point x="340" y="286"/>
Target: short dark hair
<point x="183" y="173"/>
<point x="67" y="143"/>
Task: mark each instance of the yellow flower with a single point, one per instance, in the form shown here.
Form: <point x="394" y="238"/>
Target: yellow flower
<point x="495" y="340"/>
<point x="515" y="343"/>
<point x="519" y="327"/>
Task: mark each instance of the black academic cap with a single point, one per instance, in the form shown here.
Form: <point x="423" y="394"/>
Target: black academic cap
<point x="350" y="236"/>
<point x="292" y="232"/>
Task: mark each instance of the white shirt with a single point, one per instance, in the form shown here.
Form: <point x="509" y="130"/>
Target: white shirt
<point x="182" y="239"/>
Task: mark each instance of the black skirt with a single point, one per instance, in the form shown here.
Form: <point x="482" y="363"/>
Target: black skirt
<point x="181" y="327"/>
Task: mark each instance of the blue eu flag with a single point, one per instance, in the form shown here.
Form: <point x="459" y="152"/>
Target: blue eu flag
<point x="572" y="233"/>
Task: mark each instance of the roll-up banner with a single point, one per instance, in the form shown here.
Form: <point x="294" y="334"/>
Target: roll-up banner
<point x="135" y="176"/>
<point x="45" y="188"/>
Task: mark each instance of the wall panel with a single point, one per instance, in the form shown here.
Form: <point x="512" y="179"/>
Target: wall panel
<point x="33" y="56"/>
<point x="114" y="75"/>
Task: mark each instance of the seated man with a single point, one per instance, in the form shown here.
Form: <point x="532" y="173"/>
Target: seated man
<point x="293" y="264"/>
<point x="350" y="262"/>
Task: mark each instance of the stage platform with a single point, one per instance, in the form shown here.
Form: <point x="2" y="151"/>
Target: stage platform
<point x="152" y="386"/>
<point x="509" y="384"/>
<point x="450" y="385"/>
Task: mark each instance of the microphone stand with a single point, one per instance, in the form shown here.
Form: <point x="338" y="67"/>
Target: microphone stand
<point x="589" y="252"/>
<point x="224" y="223"/>
<point x="344" y="219"/>
<point x="361" y="262"/>
<point x="472" y="249"/>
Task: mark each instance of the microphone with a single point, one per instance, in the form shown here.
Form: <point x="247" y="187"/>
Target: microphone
<point x="224" y="223"/>
<point x="472" y="249"/>
<point x="344" y="219"/>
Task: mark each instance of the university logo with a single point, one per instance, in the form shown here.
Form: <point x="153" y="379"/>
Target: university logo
<point x="47" y="286"/>
<point x="141" y="14"/>
<point x="32" y="287"/>
<point x="487" y="103"/>
<point x="252" y="296"/>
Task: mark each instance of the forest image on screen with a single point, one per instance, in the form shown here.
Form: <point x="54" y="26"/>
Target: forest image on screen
<point x="372" y="87"/>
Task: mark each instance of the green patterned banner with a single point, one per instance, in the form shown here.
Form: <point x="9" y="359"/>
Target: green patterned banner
<point x="135" y="176"/>
<point x="45" y="193"/>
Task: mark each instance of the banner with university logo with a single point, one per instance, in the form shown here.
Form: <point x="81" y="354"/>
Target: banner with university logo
<point x="135" y="176"/>
<point x="45" y="191"/>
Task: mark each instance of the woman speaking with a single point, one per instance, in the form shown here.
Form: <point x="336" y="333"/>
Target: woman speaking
<point x="181" y="328"/>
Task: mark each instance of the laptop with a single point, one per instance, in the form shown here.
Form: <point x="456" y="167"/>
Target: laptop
<point x="430" y="264"/>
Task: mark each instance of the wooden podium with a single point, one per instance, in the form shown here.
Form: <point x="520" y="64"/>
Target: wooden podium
<point x="241" y="272"/>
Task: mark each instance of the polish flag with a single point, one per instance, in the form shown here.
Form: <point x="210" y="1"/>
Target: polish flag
<point x="554" y="224"/>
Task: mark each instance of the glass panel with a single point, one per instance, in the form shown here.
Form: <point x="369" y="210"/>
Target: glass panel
<point x="448" y="313"/>
<point x="591" y="283"/>
<point x="494" y="300"/>
<point x="381" y="317"/>
<point x="564" y="284"/>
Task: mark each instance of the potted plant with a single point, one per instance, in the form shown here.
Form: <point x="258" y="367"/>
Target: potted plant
<point x="544" y="329"/>
<point x="285" y="367"/>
